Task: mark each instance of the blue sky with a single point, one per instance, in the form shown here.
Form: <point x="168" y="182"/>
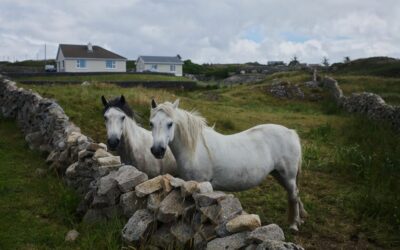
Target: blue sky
<point x="224" y="31"/>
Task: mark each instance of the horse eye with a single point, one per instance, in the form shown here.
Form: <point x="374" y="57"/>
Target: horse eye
<point x="169" y="124"/>
<point x="151" y="125"/>
<point x="105" y="118"/>
<point x="123" y="118"/>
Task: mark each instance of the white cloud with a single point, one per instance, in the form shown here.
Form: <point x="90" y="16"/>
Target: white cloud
<point x="205" y="31"/>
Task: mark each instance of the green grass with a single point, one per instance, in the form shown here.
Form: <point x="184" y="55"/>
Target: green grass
<point x="350" y="164"/>
<point x="372" y="66"/>
<point x="106" y="77"/>
<point x="37" y="212"/>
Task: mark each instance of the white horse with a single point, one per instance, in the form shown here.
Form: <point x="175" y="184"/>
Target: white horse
<point x="230" y="162"/>
<point x="131" y="141"/>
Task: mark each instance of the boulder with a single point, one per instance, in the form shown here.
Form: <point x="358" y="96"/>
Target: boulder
<point x="188" y="188"/>
<point x="163" y="237"/>
<point x="130" y="203"/>
<point x="176" y="182"/>
<point x="129" y="177"/>
<point x="207" y="199"/>
<point x="109" y="161"/>
<point x="234" y="241"/>
<point x="243" y="223"/>
<point x="72" y="235"/>
<point x="278" y="245"/>
<point x="107" y="186"/>
<point x="268" y="232"/>
<point x="182" y="232"/>
<point x="99" y="201"/>
<point x="95" y="146"/>
<point x="166" y="184"/>
<point x="71" y="170"/>
<point x="149" y="186"/>
<point x="100" y="153"/>
<point x="204" y="187"/>
<point x="84" y="153"/>
<point x="137" y="225"/>
<point x="93" y="216"/>
<point x="154" y="201"/>
<point x="171" y="207"/>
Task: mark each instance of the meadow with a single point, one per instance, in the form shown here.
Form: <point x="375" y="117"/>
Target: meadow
<point x="350" y="164"/>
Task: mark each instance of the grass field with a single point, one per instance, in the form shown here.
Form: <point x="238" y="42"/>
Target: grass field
<point x="37" y="212"/>
<point x="106" y="78"/>
<point x="351" y="165"/>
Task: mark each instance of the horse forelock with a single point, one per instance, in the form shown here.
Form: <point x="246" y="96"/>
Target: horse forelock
<point x="189" y="124"/>
<point x="116" y="103"/>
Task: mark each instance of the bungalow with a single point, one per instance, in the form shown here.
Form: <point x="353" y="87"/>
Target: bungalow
<point x="164" y="64"/>
<point x="88" y="58"/>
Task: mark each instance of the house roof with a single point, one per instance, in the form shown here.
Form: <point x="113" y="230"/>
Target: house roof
<point x="161" y="59"/>
<point x="81" y="51"/>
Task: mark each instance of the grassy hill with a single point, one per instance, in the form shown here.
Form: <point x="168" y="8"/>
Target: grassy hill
<point x="373" y="66"/>
<point x="346" y="157"/>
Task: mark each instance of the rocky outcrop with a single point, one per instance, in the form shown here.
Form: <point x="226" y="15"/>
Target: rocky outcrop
<point x="372" y="105"/>
<point x="161" y="212"/>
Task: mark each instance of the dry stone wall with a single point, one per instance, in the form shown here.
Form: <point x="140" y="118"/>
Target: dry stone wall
<point x="372" y="105"/>
<point x="162" y="212"/>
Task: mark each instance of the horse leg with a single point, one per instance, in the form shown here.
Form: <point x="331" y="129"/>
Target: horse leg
<point x="295" y="204"/>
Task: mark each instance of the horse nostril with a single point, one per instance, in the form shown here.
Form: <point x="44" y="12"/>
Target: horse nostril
<point x="163" y="149"/>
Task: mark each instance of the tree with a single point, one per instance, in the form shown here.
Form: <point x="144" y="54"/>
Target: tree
<point x="346" y="59"/>
<point x="325" y="61"/>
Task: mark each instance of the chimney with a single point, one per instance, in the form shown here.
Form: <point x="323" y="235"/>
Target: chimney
<point x="90" y="47"/>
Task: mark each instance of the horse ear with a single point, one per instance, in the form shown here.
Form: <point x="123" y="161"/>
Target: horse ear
<point x="153" y="104"/>
<point x="104" y="101"/>
<point x="122" y="99"/>
<point x="176" y="103"/>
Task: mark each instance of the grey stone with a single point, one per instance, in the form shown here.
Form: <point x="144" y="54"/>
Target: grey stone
<point x="137" y="225"/>
<point x="268" y="232"/>
<point x="72" y="235"/>
<point x="100" y="153"/>
<point x="207" y="199"/>
<point x="176" y="182"/>
<point x="84" y="153"/>
<point x="95" y="146"/>
<point x="109" y="161"/>
<point x="107" y="186"/>
<point x="99" y="201"/>
<point x="53" y="156"/>
<point x="72" y="170"/>
<point x="154" y="201"/>
<point x="162" y="237"/>
<point x="235" y="241"/>
<point x="204" y="187"/>
<point x="129" y="203"/>
<point x="93" y="216"/>
<point x="149" y="186"/>
<point x="171" y="207"/>
<point x="166" y="184"/>
<point x="243" y="222"/>
<point x="129" y="177"/>
<point x="188" y="188"/>
<point x="182" y="232"/>
<point x="278" y="245"/>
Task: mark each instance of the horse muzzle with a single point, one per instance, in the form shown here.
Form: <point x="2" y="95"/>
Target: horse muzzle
<point x="113" y="143"/>
<point x="158" y="152"/>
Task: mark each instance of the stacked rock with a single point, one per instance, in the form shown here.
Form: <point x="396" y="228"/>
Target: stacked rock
<point x="163" y="211"/>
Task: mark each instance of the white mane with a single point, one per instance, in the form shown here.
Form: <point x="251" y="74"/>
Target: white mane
<point x="189" y="124"/>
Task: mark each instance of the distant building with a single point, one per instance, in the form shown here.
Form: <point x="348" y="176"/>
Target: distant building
<point x="274" y="63"/>
<point x="88" y="58"/>
<point x="163" y="64"/>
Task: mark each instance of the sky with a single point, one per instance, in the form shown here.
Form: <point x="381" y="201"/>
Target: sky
<point x="205" y="31"/>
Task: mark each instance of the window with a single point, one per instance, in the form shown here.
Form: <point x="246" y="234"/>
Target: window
<point x="154" y="67"/>
<point x="110" y="64"/>
<point x="171" y="67"/>
<point x="63" y="64"/>
<point x="80" y="63"/>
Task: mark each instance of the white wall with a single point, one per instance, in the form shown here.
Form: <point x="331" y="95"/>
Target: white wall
<point x="162" y="68"/>
<point x="94" y="65"/>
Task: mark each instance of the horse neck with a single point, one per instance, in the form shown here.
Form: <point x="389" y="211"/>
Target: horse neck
<point x="130" y="141"/>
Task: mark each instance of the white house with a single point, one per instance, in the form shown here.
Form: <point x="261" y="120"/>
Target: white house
<point x="88" y="58"/>
<point x="164" y="64"/>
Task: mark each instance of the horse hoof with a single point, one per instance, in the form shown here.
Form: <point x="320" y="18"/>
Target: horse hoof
<point x="294" y="228"/>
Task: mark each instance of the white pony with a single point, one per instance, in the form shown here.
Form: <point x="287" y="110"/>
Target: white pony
<point x="131" y="141"/>
<point x="230" y="162"/>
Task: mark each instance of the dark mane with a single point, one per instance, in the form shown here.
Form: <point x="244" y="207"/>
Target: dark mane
<point x="116" y="103"/>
